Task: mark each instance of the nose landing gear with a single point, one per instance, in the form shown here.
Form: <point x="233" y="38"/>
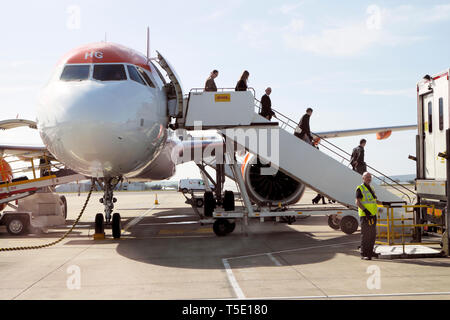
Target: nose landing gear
<point x="108" y="200"/>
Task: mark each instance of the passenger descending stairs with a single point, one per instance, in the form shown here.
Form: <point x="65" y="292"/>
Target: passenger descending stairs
<point x="314" y="168"/>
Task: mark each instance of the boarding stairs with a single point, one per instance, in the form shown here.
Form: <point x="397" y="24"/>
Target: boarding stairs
<point x="233" y="114"/>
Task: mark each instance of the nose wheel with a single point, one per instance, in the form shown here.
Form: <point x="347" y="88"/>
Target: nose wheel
<point x="108" y="200"/>
<point x="116" y="230"/>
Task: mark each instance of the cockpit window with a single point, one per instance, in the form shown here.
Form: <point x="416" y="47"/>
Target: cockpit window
<point x="134" y="75"/>
<point x="75" y="72"/>
<point x="109" y="72"/>
<point x="146" y="77"/>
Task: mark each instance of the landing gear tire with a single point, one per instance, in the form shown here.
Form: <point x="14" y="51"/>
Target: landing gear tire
<point x="209" y="204"/>
<point x="228" y="201"/>
<point x="64" y="201"/>
<point x="199" y="202"/>
<point x="99" y="227"/>
<point x="349" y="224"/>
<point x="333" y="222"/>
<point x="116" y="226"/>
<point x="232" y="226"/>
<point x="17" y="226"/>
<point x="222" y="227"/>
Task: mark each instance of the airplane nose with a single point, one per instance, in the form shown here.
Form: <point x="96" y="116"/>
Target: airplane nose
<point x="101" y="130"/>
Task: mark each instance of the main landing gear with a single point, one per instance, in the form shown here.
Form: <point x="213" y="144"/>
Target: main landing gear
<point x="108" y="200"/>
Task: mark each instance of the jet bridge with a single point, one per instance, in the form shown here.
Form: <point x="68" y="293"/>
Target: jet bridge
<point x="233" y="114"/>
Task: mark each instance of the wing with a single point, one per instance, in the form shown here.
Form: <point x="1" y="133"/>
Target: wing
<point x="21" y="151"/>
<point x="24" y="151"/>
<point x="382" y="132"/>
<point x="16" y="123"/>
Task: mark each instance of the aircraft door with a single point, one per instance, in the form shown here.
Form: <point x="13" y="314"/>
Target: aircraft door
<point x="174" y="89"/>
<point x="429" y="129"/>
<point x="440" y="139"/>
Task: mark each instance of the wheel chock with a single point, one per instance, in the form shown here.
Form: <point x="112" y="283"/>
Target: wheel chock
<point x="99" y="236"/>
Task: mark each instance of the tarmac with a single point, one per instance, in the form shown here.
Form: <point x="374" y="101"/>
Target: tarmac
<point x="167" y="254"/>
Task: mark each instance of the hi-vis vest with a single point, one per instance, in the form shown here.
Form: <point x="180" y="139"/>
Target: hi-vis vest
<point x="367" y="201"/>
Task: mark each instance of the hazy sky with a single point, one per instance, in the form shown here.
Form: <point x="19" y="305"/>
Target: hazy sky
<point x="355" y="62"/>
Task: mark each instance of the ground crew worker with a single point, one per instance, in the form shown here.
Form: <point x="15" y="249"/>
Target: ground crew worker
<point x="366" y="200"/>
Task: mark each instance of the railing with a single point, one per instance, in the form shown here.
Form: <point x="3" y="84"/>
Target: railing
<point x="286" y="122"/>
<point x="32" y="169"/>
<point x="222" y="90"/>
<point x="390" y="223"/>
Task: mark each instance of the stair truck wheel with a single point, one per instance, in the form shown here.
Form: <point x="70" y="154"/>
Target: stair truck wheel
<point x="221" y="227"/>
<point x="17" y="226"/>
<point x="231" y="227"/>
<point x="99" y="227"/>
<point x="209" y="204"/>
<point x="228" y="201"/>
<point x="64" y="201"/>
<point x="349" y="224"/>
<point x="333" y="222"/>
<point x="116" y="225"/>
<point x="199" y="202"/>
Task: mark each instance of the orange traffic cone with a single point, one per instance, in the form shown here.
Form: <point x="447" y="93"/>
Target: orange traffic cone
<point x="156" y="199"/>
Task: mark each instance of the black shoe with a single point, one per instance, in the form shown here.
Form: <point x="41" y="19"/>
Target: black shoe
<point x="375" y="255"/>
<point x="366" y="258"/>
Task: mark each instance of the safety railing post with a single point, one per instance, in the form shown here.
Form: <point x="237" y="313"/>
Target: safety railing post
<point x="403" y="234"/>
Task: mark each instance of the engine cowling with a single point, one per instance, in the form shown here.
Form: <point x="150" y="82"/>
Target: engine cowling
<point x="274" y="189"/>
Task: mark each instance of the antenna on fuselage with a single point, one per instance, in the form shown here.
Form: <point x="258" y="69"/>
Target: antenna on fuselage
<point x="148" y="44"/>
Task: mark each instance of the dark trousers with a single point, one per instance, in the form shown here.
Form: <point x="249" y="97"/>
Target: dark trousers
<point x="360" y="168"/>
<point x="368" y="236"/>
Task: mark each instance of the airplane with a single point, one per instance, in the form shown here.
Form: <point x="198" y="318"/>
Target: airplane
<point x="104" y="115"/>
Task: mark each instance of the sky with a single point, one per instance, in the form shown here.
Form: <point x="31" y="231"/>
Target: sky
<point x="356" y="63"/>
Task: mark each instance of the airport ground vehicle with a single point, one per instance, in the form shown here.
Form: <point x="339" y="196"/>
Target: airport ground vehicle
<point x="432" y="151"/>
<point x="34" y="204"/>
<point x="186" y="185"/>
<point x="35" y="212"/>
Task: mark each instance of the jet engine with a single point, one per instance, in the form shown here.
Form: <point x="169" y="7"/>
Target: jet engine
<point x="268" y="186"/>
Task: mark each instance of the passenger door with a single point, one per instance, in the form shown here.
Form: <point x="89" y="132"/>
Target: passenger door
<point x="429" y="129"/>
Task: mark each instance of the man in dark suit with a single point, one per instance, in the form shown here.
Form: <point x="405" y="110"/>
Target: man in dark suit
<point x="303" y="131"/>
<point x="357" y="159"/>
<point x="210" y="85"/>
<point x="266" y="105"/>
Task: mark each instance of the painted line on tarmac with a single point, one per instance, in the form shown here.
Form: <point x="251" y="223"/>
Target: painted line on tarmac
<point x="277" y="263"/>
<point x="233" y="282"/>
<point x="169" y="223"/>
<point x="138" y="218"/>
<point x="368" y="295"/>
<point x="293" y="250"/>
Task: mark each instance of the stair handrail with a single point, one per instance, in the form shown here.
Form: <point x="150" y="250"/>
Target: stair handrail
<point x="293" y="125"/>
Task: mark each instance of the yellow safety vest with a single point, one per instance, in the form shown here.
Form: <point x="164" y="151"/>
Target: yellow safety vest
<point x="368" y="201"/>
